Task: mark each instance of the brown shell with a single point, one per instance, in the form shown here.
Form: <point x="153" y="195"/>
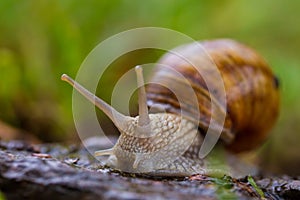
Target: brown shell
<point x="252" y="96"/>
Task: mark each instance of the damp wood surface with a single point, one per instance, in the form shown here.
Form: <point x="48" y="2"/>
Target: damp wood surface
<point x="53" y="171"/>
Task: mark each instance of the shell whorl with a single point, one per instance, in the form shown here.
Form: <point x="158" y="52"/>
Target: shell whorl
<point x="252" y="95"/>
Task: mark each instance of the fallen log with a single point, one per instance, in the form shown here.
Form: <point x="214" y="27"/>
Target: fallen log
<point x="51" y="171"/>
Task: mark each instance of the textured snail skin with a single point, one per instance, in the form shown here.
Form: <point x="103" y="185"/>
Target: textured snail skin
<point x="168" y="143"/>
<point x="162" y="151"/>
<point x="252" y="96"/>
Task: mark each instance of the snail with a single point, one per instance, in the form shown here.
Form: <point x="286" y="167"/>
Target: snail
<point x="166" y="143"/>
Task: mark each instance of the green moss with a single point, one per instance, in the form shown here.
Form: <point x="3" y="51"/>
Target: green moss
<point x="254" y="185"/>
<point x="2" y="197"/>
<point x="224" y="188"/>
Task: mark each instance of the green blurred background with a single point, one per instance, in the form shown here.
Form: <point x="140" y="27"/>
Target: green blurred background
<point x="40" y="40"/>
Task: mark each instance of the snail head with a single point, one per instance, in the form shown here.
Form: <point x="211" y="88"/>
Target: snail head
<point x="147" y="142"/>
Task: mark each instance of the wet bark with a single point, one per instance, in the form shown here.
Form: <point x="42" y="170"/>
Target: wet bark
<point x="59" y="172"/>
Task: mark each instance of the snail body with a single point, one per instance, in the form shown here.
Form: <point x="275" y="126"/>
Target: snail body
<point x="167" y="143"/>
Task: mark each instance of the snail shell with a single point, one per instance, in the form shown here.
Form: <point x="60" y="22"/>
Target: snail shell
<point x="252" y="96"/>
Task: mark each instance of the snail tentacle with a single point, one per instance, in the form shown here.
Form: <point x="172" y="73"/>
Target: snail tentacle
<point x="104" y="152"/>
<point x="142" y="98"/>
<point x="121" y="121"/>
